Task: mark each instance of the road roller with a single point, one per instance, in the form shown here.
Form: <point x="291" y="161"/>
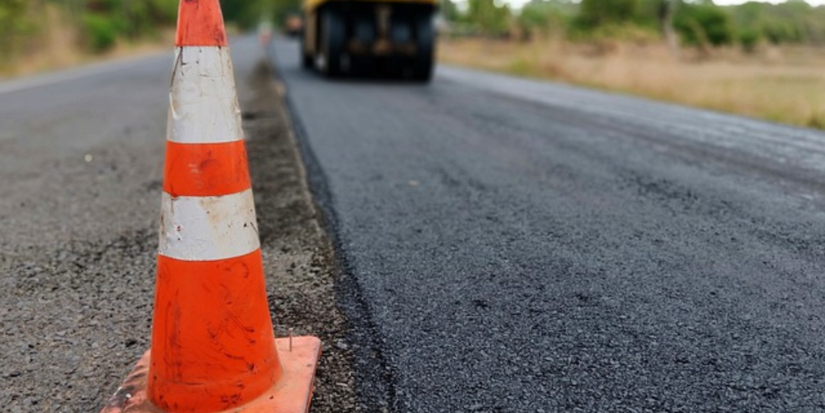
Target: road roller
<point x="369" y="37"/>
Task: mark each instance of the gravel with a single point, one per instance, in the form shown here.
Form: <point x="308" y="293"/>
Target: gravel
<point x="80" y="170"/>
<point x="296" y="249"/>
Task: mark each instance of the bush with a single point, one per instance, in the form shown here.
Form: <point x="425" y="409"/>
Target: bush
<point x="545" y="16"/>
<point x="16" y="23"/>
<point x="99" y="31"/>
<point x="164" y="11"/>
<point x="749" y="39"/>
<point x="704" y="24"/>
<point x="488" y="17"/>
<point x="599" y="12"/>
<point x="781" y="32"/>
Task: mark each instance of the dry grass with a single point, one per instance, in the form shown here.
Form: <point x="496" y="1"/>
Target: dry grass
<point x="784" y="85"/>
<point x="58" y="46"/>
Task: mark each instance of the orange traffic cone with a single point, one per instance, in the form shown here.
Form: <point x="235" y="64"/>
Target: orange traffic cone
<point x="212" y="341"/>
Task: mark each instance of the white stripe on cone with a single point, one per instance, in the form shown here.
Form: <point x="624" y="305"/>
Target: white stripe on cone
<point x="203" y="103"/>
<point x="208" y="228"/>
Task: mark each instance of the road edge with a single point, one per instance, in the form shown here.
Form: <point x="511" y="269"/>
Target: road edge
<point x="375" y="385"/>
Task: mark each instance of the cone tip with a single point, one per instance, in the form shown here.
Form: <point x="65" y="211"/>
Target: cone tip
<point x="200" y="23"/>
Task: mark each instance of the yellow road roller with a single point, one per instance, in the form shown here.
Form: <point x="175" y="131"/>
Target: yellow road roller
<point x="369" y="37"/>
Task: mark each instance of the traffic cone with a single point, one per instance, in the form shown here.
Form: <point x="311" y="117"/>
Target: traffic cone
<point x="213" y="348"/>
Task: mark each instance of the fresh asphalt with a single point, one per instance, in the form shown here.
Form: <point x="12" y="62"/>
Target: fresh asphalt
<point x="507" y="245"/>
<point x="520" y="246"/>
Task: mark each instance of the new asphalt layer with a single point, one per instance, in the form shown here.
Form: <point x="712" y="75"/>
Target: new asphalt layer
<point x="519" y="246"/>
<point x="505" y="245"/>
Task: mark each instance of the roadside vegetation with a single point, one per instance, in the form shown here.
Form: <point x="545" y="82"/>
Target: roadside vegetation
<point x="756" y="59"/>
<point x="47" y="34"/>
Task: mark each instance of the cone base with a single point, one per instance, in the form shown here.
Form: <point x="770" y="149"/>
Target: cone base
<point x="291" y="394"/>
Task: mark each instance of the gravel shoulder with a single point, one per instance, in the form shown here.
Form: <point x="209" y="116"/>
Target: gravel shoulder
<point x="82" y="185"/>
<point x="297" y="253"/>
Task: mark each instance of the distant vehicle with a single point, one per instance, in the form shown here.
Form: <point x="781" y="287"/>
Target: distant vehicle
<point x="294" y="25"/>
<point x="369" y="36"/>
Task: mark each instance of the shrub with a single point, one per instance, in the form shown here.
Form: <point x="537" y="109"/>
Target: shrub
<point x="598" y="12"/>
<point x="749" y="39"/>
<point x="99" y="31"/>
<point x="704" y="24"/>
<point x="16" y="23"/>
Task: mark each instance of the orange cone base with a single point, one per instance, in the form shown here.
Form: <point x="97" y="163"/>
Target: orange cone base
<point x="291" y="394"/>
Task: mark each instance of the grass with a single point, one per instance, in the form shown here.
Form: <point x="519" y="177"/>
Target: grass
<point x="784" y="85"/>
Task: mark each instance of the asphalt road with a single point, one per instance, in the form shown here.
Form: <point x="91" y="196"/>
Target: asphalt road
<point x="81" y="156"/>
<point x="81" y="163"/>
<point x="520" y="246"/>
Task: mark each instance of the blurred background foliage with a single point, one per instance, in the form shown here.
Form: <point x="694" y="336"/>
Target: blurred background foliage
<point x="99" y="25"/>
<point x="696" y="23"/>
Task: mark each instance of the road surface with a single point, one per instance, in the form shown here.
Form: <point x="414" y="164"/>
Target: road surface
<point x="506" y="245"/>
<point x="81" y="163"/>
<point x="519" y="246"/>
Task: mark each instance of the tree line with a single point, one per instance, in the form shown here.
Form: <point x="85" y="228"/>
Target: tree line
<point x="100" y="24"/>
<point x="698" y="23"/>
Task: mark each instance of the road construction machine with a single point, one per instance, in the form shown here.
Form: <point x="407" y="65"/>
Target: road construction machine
<point x="370" y="37"/>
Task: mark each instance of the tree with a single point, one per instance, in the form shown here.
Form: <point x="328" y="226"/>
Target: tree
<point x="488" y="17"/>
<point x="13" y="25"/>
<point x="595" y="13"/>
<point x="544" y="15"/>
<point x="704" y="24"/>
<point x="249" y="13"/>
<point x="667" y="9"/>
<point x="449" y="11"/>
